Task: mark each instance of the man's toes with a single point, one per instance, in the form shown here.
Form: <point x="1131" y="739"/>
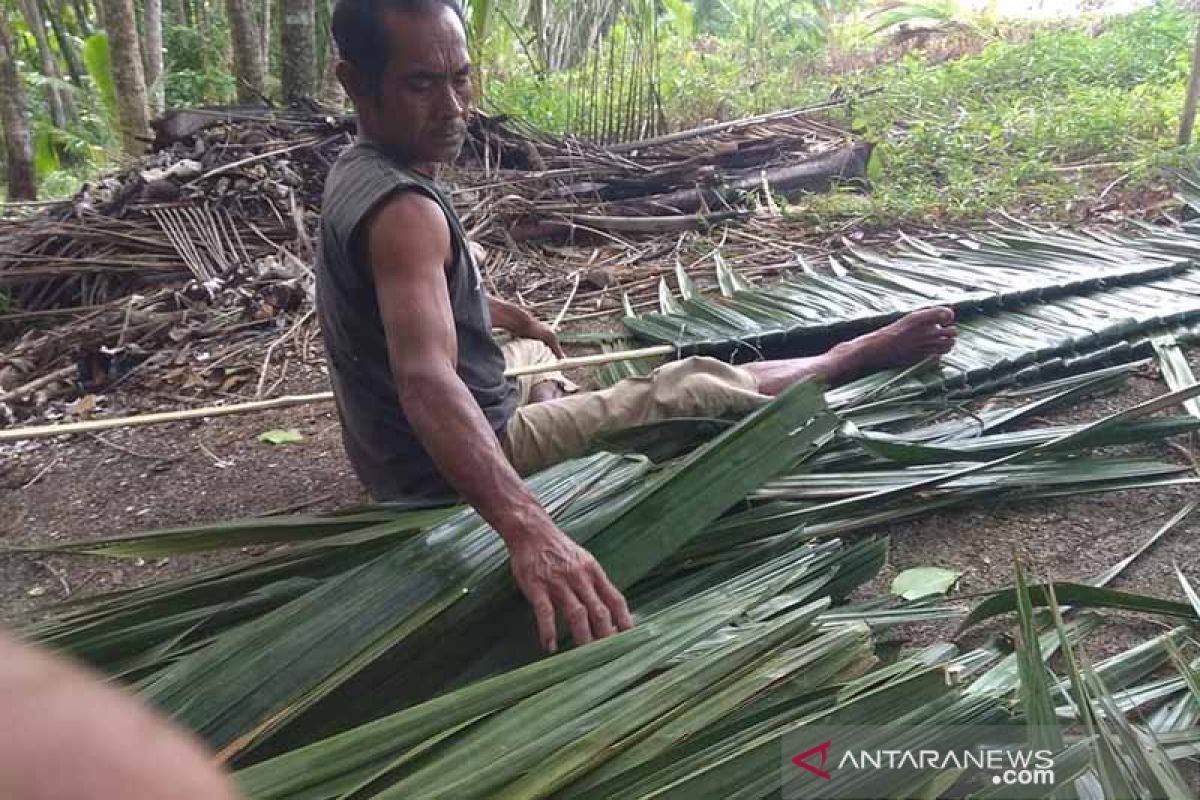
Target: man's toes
<point x="932" y="316"/>
<point x="945" y="315"/>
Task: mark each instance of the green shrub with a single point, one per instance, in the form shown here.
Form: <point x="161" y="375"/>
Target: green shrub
<point x="1001" y="129"/>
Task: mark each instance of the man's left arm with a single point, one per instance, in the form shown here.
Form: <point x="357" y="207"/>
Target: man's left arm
<point x="522" y="324"/>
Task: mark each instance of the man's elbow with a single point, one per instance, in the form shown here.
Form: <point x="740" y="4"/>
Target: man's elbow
<point x="422" y="384"/>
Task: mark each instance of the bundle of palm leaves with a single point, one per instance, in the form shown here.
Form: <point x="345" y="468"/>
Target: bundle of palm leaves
<point x="387" y="653"/>
<point x="1030" y="303"/>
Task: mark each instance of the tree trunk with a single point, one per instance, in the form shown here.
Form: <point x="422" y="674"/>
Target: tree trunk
<point x="127" y="74"/>
<point x="1189" y="101"/>
<point x="82" y="18"/>
<point x="331" y="88"/>
<point x="53" y="11"/>
<point x="299" y="48"/>
<point x="22" y="180"/>
<point x="265" y="35"/>
<point x="178" y="13"/>
<point x="152" y="56"/>
<point x="57" y="97"/>
<point x="332" y="93"/>
<point x="247" y="54"/>
<point x="101" y="23"/>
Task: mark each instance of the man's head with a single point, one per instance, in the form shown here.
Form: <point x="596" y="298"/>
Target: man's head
<point x="405" y="65"/>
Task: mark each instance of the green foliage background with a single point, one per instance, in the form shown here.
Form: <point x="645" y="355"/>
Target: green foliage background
<point x="1002" y="128"/>
<point x="984" y="115"/>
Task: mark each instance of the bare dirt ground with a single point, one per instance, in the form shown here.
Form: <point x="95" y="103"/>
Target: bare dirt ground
<point x="156" y="477"/>
<point x="189" y="473"/>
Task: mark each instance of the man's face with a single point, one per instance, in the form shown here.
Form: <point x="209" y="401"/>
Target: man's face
<point x="420" y="107"/>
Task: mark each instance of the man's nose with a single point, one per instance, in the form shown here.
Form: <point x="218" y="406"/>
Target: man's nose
<point x="450" y="104"/>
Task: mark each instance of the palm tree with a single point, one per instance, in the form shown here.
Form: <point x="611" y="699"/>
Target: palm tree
<point x="57" y="95"/>
<point x="299" y="48"/>
<point x="247" y="54"/>
<point x="128" y="74"/>
<point x="22" y="180"/>
<point x="152" y="55"/>
<point x="52" y="10"/>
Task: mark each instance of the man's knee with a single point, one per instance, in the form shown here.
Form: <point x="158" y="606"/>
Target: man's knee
<point x="700" y="386"/>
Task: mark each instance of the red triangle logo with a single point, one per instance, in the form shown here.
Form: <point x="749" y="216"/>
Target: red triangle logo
<point x="801" y="760"/>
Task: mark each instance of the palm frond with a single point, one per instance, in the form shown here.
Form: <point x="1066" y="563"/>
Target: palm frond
<point x="1030" y="304"/>
<point x="386" y="653"/>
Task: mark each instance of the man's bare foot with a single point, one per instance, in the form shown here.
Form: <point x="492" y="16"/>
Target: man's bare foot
<point x="923" y="334"/>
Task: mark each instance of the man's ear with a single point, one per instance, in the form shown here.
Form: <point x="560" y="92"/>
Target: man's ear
<point x="352" y="80"/>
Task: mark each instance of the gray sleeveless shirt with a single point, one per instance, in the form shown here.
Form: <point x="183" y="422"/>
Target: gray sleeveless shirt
<point x="382" y="446"/>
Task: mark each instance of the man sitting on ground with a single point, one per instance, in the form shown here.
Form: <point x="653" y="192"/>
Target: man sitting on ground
<point x="425" y="408"/>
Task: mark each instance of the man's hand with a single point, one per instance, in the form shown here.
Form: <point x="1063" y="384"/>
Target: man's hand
<point x="520" y="323"/>
<point x="536" y="329"/>
<point x="556" y="573"/>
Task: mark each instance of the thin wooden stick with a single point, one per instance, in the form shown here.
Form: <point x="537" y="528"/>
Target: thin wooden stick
<point x="91" y="426"/>
<point x="262" y="374"/>
<point x="566" y="306"/>
<point x="32" y="203"/>
<point x="590" y="361"/>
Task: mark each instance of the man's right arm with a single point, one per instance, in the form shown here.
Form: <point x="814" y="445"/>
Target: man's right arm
<point x="408" y="245"/>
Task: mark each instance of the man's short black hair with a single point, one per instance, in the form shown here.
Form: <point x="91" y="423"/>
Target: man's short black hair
<point x="359" y="33"/>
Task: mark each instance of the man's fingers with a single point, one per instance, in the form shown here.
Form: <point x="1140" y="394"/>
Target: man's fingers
<point x="576" y="615"/>
<point x="556" y="346"/>
<point x="543" y="612"/>
<point x="598" y="614"/>
<point x="612" y="599"/>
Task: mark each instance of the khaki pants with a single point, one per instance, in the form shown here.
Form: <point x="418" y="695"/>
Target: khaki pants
<point x="546" y="433"/>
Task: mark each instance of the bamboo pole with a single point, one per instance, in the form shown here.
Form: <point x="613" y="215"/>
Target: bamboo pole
<point x="92" y="426"/>
<point x="596" y="360"/>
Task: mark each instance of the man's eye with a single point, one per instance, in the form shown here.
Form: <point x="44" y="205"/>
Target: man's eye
<point x="421" y="84"/>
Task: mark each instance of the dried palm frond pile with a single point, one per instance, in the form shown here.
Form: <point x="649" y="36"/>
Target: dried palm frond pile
<point x="196" y="258"/>
<point x="388" y="654"/>
<point x="200" y="249"/>
<point x="517" y="185"/>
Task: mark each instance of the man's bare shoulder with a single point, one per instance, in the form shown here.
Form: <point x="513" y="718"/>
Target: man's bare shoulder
<point x="408" y="231"/>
